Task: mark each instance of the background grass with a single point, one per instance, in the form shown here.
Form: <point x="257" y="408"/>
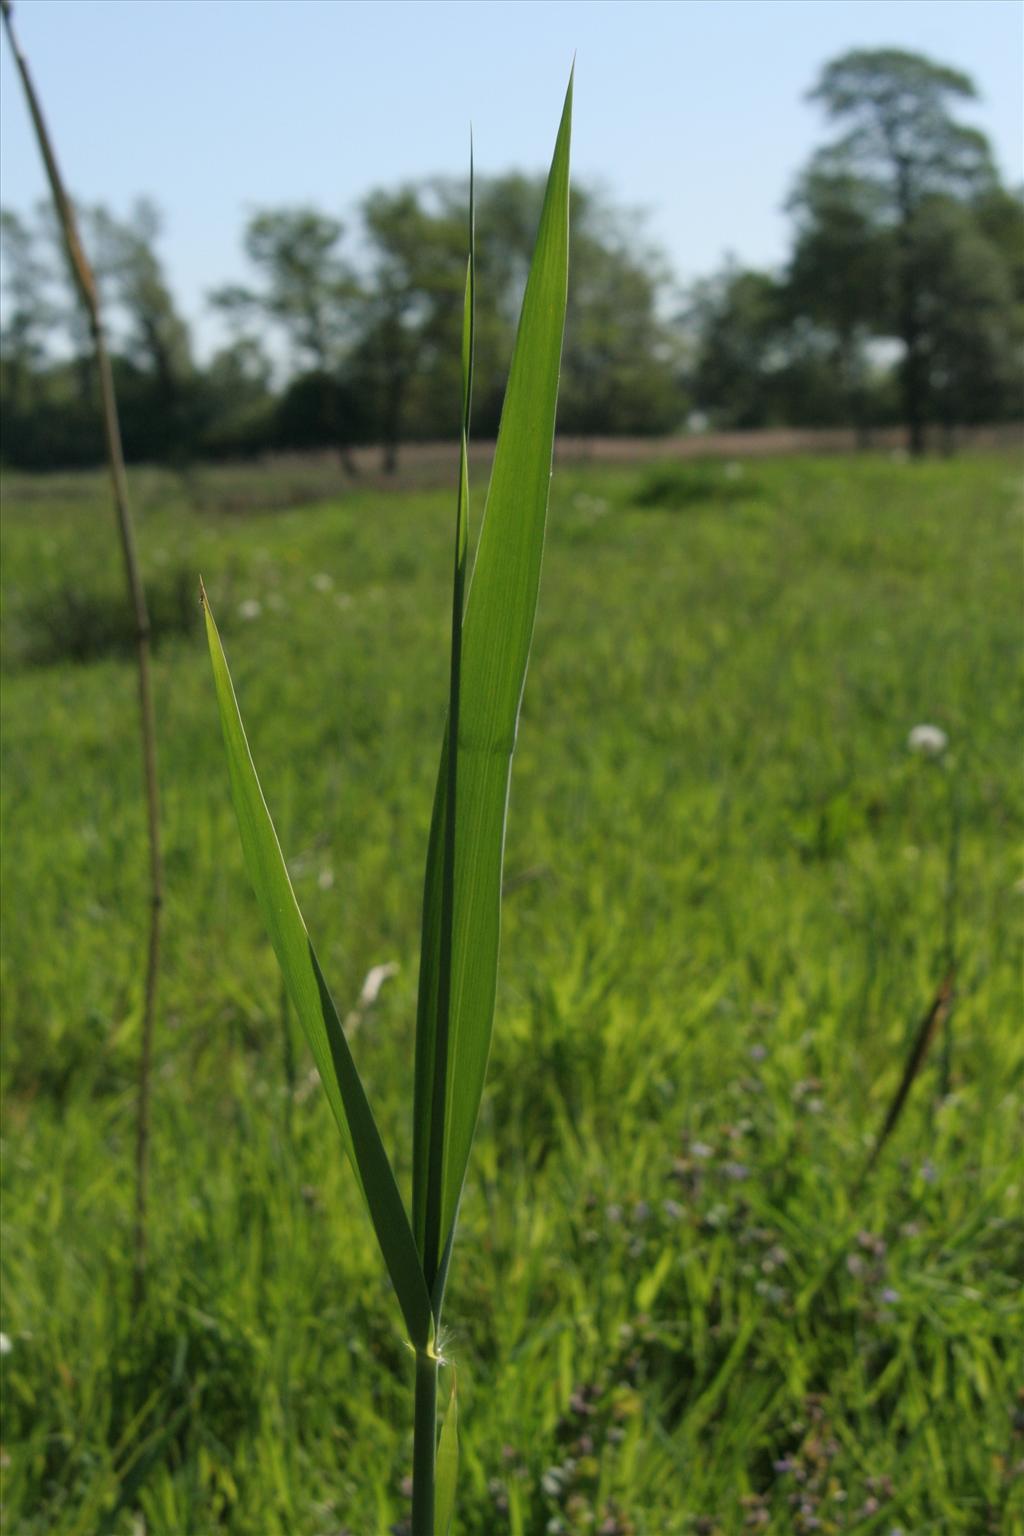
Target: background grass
<point x="724" y="917"/>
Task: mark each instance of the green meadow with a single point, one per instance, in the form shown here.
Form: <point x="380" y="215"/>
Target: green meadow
<point x="731" y="894"/>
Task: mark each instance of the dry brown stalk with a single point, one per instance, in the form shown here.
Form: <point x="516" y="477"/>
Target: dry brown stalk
<point x="86" y="285"/>
<point x="924" y="1035"/>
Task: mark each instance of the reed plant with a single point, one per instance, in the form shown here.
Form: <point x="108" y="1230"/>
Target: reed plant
<point x="491" y="631"/>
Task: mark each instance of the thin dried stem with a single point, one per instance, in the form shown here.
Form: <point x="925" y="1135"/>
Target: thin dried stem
<point x="949" y="942"/>
<point x="923" y="1037"/>
<point x="86" y="285"/>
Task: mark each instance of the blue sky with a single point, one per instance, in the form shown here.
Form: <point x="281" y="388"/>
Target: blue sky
<point x="692" y="110"/>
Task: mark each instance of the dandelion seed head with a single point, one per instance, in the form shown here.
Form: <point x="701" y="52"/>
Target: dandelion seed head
<point x="927" y="741"/>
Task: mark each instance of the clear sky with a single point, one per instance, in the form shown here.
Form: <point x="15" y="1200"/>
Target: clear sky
<point x="692" y="110"/>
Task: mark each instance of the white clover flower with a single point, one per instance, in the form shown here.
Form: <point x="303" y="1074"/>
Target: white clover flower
<point x="5" y="1344"/>
<point x="928" y="740"/>
<point x="323" y="582"/>
<point x="250" y="609"/>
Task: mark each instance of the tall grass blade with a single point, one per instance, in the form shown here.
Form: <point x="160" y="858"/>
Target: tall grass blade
<point x="316" y="1011"/>
<point x="496" y="634"/>
<point x="429" y="1106"/>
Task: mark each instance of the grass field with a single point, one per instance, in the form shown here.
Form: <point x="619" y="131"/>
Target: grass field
<point x="728" y="901"/>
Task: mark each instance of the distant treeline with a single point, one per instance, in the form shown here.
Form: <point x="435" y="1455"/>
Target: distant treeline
<point x="902" y="300"/>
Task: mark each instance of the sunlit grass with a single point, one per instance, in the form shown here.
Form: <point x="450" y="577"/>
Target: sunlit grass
<point x="708" y="983"/>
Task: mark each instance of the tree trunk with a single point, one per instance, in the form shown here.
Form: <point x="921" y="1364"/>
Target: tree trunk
<point x="912" y="373"/>
<point x="948" y="431"/>
<point x="913" y="380"/>
<point x="392" y="423"/>
<point x="853" y="388"/>
<point x="913" y="394"/>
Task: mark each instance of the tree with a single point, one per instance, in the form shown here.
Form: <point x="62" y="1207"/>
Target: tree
<point x="620" y="365"/>
<point x="309" y="294"/>
<point x="738" y="322"/>
<point x="970" y="329"/>
<point x="306" y="283"/>
<point x="30" y="312"/>
<point x="621" y="362"/>
<point x="238" y="405"/>
<point x="904" y="146"/>
<point x="999" y="214"/>
<point x="156" y="339"/>
<point x="839" y="277"/>
<point x="52" y="397"/>
<point x="418" y="243"/>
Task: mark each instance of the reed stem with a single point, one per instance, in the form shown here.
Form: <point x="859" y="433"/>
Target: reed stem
<point x="86" y="284"/>
<point x="424" y="1445"/>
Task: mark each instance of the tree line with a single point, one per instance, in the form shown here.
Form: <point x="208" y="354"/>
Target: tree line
<point x="901" y="300"/>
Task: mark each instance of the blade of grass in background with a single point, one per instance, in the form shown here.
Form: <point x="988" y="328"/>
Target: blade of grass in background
<point x="316" y="1012"/>
<point x="496" y="634"/>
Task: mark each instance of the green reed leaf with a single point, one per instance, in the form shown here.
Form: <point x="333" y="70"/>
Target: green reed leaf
<point x="495" y="643"/>
<point x="313" y="1005"/>
<point x="429" y="1103"/>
